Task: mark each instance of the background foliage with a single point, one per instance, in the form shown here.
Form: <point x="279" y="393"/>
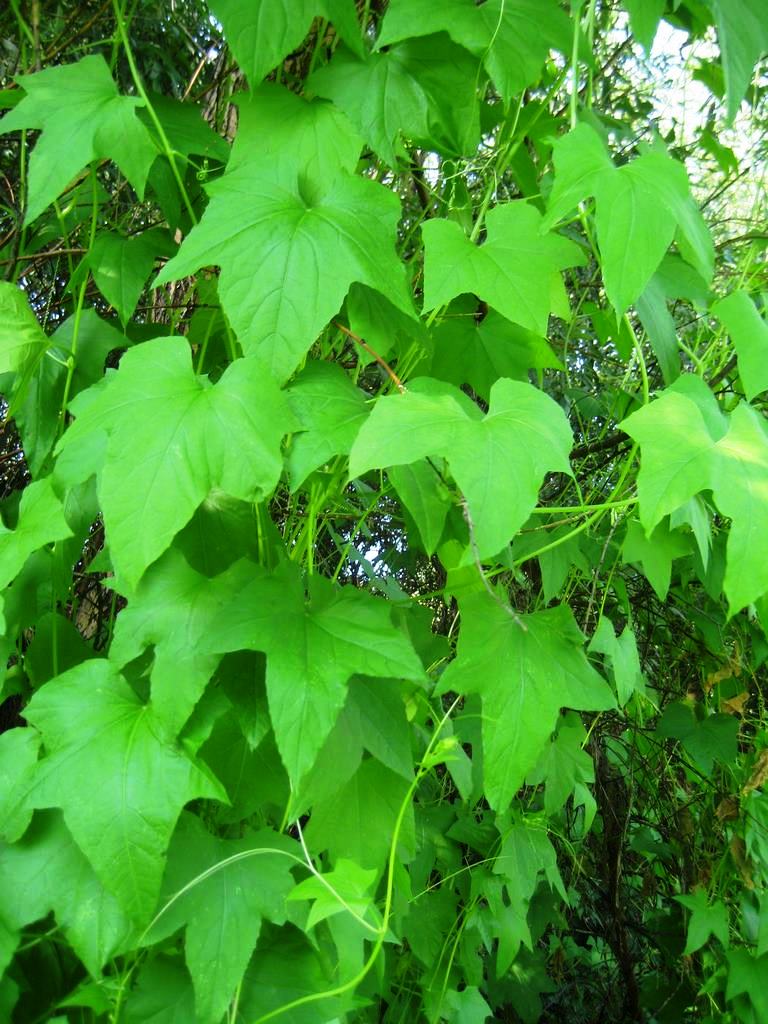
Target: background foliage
<point x="385" y="502"/>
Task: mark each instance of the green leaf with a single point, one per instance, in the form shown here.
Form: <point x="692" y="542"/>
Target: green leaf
<point x="372" y="719"/>
<point x="425" y="496"/>
<point x="185" y="128"/>
<point x="707" y="919"/>
<point x="498" y="462"/>
<point x="525" y="852"/>
<point x="377" y="709"/>
<point x="742" y="34"/>
<point x="96" y="338"/>
<point x="686" y="449"/>
<point x="655" y="553"/>
<point x="762" y="932"/>
<point x="285" y="968"/>
<point x="676" y="442"/>
<point x="741" y="492"/>
<point x="392" y="334"/>
<point x="83" y="118"/>
<point x="22" y="340"/>
<point x="746" y="976"/>
<point x="254" y="778"/>
<point x="279" y="133"/>
<point x="170" y="444"/>
<point x="660" y="328"/>
<point x="622" y="652"/>
<point x="706" y="740"/>
<point x="172" y="607"/>
<point x="121" y="266"/>
<point x="318" y="244"/>
<point x="695" y="514"/>
<point x="347" y="888"/>
<point x="525" y="673"/>
<point x="261" y="33"/>
<point x="56" y="647"/>
<point x="563" y="764"/>
<point x="513" y="270"/>
<point x="313" y="646"/>
<point x="228" y="887"/>
<point x="644" y="17"/>
<point x="9" y="941"/>
<point x="467" y="1006"/>
<point x="100" y="739"/>
<point x="357" y="822"/>
<point x="639" y="207"/>
<point x="41" y="521"/>
<point x="513" y="37"/>
<point x="476" y="349"/>
<point x="423" y="89"/>
<point x="557" y="562"/>
<point x="18" y="756"/>
<point x="37" y="405"/>
<point x="581" y="161"/>
<point x="163" y="994"/>
<point x="38" y="395"/>
<point x="749" y="333"/>
<point x="46" y="872"/>
<point x="330" y="410"/>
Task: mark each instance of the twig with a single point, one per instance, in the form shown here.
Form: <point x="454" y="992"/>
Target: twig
<point x="612" y="441"/>
<point x="723" y="373"/>
<point x="371" y="352"/>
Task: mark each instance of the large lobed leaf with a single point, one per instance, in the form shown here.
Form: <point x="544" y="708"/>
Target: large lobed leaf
<point x="640" y="207"/>
<point x="160" y="439"/>
<point x="287" y="261"/>
<point x="498" y="461"/>
<point x="314" y="643"/>
<point x="101" y="740"/>
<point x="525" y="670"/>
<point x="83" y="118"/>
<point x="687" y="446"/>
<point x="515" y="270"/>
<point x="513" y="37"/>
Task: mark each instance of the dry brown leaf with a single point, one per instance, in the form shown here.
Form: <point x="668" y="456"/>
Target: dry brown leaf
<point x="742" y="861"/>
<point x="735" y="706"/>
<point x="759" y="773"/>
<point x="727" y="809"/>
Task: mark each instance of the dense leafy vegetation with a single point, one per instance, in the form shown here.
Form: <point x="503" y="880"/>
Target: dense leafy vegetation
<point x="385" y="544"/>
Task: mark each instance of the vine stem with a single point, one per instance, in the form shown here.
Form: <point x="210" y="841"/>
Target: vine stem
<point x="478" y="565"/>
<point x="167" y="148"/>
<point x="213" y="870"/>
<point x="425" y="765"/>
